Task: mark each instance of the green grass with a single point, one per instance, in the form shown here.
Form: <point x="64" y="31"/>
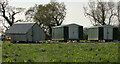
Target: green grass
<point x="60" y="52"/>
<point x="0" y="52"/>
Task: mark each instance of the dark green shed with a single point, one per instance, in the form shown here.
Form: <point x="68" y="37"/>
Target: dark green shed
<point x="67" y="32"/>
<point x="106" y="32"/>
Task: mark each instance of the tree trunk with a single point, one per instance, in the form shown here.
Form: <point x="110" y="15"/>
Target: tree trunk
<point x="50" y="32"/>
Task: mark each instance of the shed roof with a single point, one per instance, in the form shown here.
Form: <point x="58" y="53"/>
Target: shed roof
<point x="103" y="26"/>
<point x="20" y="28"/>
<point x="66" y="25"/>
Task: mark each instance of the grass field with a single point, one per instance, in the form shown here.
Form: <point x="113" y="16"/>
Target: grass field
<point x="0" y="52"/>
<point x="60" y="52"/>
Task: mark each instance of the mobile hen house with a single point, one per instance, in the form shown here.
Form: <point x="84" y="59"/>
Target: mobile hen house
<point x="67" y="32"/>
<point x="25" y="32"/>
<point x="106" y="32"/>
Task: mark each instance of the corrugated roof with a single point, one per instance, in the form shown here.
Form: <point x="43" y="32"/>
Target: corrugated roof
<point x="103" y="26"/>
<point x="66" y="25"/>
<point x="20" y="28"/>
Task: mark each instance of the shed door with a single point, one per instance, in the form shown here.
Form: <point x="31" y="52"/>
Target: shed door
<point x="108" y="33"/>
<point x="115" y="33"/>
<point x="73" y="32"/>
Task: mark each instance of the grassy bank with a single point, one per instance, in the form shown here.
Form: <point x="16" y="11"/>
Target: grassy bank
<point x="60" y="52"/>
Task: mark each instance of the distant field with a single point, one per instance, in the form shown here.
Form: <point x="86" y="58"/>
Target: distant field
<point x="60" y="52"/>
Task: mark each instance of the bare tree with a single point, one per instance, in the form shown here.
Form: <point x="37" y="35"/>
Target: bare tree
<point x="8" y="12"/>
<point x="101" y="13"/>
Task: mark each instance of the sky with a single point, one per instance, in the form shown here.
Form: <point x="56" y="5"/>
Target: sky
<point x="75" y="11"/>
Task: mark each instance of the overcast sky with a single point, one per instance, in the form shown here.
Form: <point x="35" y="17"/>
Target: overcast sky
<point x="75" y="12"/>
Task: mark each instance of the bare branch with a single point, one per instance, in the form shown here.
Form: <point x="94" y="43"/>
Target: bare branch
<point x="100" y="12"/>
<point x="8" y="12"/>
<point x="4" y="25"/>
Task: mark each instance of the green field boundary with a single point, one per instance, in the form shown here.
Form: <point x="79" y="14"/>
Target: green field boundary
<point x="60" y="52"/>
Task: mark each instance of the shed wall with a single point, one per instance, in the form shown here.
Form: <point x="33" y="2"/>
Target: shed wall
<point x="73" y="31"/>
<point x="58" y="33"/>
<point x="29" y="35"/>
<point x="38" y="33"/>
<point x="18" y="37"/>
<point x="108" y="33"/>
<point x="101" y="33"/>
<point x="115" y="33"/>
<point x="66" y="33"/>
<point x="93" y="34"/>
<point x="80" y="31"/>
